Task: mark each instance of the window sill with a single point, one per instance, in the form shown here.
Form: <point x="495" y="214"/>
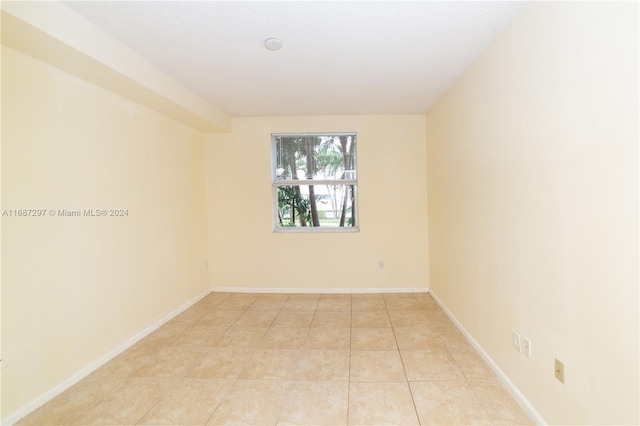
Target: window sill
<point x="316" y="230"/>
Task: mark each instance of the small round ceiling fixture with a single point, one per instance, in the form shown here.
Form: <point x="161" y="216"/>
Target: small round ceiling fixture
<point x="273" y="43"/>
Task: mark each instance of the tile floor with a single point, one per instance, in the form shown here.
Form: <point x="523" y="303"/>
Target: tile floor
<point x="290" y="359"/>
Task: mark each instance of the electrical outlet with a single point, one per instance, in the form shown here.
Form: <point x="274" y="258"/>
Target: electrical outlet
<point x="516" y="341"/>
<point x="559" y="371"/>
<point x="526" y="347"/>
<point x="381" y="264"/>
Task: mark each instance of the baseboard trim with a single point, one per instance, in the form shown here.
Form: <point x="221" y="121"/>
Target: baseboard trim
<point x="511" y="387"/>
<point x="57" y="390"/>
<point x="319" y="290"/>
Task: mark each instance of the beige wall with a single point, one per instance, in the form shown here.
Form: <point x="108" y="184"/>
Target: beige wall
<point x="533" y="206"/>
<point x="75" y="288"/>
<point x="244" y="250"/>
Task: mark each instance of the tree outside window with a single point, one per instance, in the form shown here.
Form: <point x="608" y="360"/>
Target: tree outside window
<point x="315" y="182"/>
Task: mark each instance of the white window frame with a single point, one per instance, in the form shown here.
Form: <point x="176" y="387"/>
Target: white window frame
<point x="299" y="182"/>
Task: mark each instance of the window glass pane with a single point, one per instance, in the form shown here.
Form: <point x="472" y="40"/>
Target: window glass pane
<point x="334" y="206"/>
<point x="323" y="157"/>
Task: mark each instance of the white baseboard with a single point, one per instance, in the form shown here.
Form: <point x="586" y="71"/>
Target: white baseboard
<point x="319" y="290"/>
<point x="513" y="390"/>
<point x="49" y="395"/>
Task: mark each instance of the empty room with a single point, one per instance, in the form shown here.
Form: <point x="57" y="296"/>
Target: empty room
<point x="272" y="213"/>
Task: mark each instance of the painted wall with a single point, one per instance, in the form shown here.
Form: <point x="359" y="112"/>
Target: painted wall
<point x="75" y="288"/>
<point x="533" y="206"/>
<point x="245" y="251"/>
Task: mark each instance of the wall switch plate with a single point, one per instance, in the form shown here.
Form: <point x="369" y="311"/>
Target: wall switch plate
<point x="559" y="371"/>
<point x="526" y="347"/>
<point x="516" y="341"/>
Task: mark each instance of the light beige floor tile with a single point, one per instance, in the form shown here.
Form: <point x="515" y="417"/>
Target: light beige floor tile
<point x="152" y="344"/>
<point x="267" y="304"/>
<point x="322" y="365"/>
<point x="125" y="404"/>
<point x="250" y="402"/>
<point x="331" y="319"/>
<point x="190" y="316"/>
<point x="220" y="318"/>
<point x="367" y="319"/>
<point x="179" y="373"/>
<point x="301" y="304"/>
<point x="501" y="407"/>
<point x="270" y="364"/>
<point x="373" y="339"/>
<point x="129" y="361"/>
<point x="188" y="402"/>
<point x="421" y="365"/>
<point x="305" y="296"/>
<point x="376" y="366"/>
<point x="273" y="297"/>
<point x="393" y="296"/>
<point x="170" y="329"/>
<point x="243" y="337"/>
<point x="334" y="305"/>
<point x="453" y="339"/>
<point x="472" y="365"/>
<point x="447" y="403"/>
<point x="368" y="304"/>
<point x="233" y="297"/>
<point x="256" y="319"/>
<point x="285" y="338"/>
<point x="69" y="405"/>
<point x="367" y="296"/>
<point x="293" y="319"/>
<point x="149" y="346"/>
<point x="328" y="338"/>
<point x="428" y="303"/>
<point x="403" y="304"/>
<point x="417" y="338"/>
<point x="315" y="403"/>
<point x="438" y="318"/>
<point x="344" y="296"/>
<point x="201" y="335"/>
<point x="235" y="304"/>
<point x="221" y="363"/>
<point x="381" y="404"/>
<point x="408" y="318"/>
<point x="167" y="334"/>
<point x="423" y="297"/>
<point x="211" y="301"/>
<point x="171" y="361"/>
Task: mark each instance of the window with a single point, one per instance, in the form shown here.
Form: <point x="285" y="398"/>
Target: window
<point x="315" y="182"/>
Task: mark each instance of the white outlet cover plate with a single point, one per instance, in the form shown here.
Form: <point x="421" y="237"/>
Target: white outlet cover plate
<point x="516" y="341"/>
<point x="526" y="347"/>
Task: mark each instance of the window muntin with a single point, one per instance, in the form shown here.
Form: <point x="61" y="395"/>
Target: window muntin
<point x="315" y="182"/>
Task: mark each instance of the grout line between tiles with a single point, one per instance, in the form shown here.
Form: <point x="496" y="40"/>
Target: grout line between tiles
<point x="413" y="401"/>
<point x="481" y="404"/>
<point x="149" y="410"/>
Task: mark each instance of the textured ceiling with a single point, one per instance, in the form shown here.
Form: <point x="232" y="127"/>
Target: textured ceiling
<point x="363" y="57"/>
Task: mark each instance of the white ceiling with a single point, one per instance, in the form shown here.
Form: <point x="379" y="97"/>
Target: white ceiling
<point x="339" y="57"/>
